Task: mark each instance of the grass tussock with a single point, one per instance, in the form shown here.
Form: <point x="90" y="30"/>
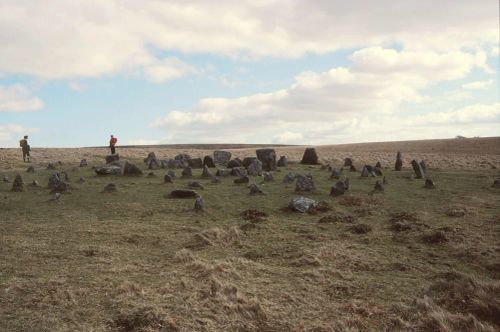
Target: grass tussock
<point x="215" y="236"/>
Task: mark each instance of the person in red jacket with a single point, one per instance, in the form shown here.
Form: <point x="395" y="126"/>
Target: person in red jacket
<point x="112" y="143"/>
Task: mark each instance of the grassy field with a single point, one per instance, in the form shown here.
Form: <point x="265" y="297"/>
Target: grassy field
<point x="406" y="259"/>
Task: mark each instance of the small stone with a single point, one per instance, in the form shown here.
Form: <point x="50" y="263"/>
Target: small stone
<point x="5" y="179"/>
<point x="171" y="173"/>
<point x="385" y="181"/>
<point x="336" y="173"/>
<point x="378" y="171"/>
<point x="239" y="171"/>
<point x="289" y="177"/>
<point x="83" y="163"/>
<point x="399" y="162"/>
<point x="30" y="169"/>
<point x="130" y="169"/>
<point x="347" y="162"/>
<point x="304" y="183"/>
<point x="35" y="183"/>
<point x="378" y="164"/>
<point x="151" y="174"/>
<point x="195" y="184"/>
<point x="51" y="166"/>
<point x="282" y="162"/>
<point x="268" y="177"/>
<point x="199" y="205"/>
<point x="302" y="204"/>
<point x="223" y="172"/>
<point x="338" y="189"/>
<point x="81" y="179"/>
<point x="352" y="168"/>
<point x="209" y="162"/>
<point x="255" y="190"/>
<point x="310" y="157"/>
<point x="108" y="170"/>
<point x="496" y="183"/>
<point x="429" y="184"/>
<point x="167" y="179"/>
<point x="216" y="179"/>
<point x="206" y="174"/>
<point x="110" y="188"/>
<point x="187" y="172"/>
<point x="379" y="186"/>
<point x="242" y="180"/>
<point x="18" y="184"/>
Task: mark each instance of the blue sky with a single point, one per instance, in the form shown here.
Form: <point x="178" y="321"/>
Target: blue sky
<point x="293" y="72"/>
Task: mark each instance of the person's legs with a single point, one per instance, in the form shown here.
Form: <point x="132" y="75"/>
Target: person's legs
<point x="112" y="149"/>
<point x="28" y="156"/>
<point x="24" y="156"/>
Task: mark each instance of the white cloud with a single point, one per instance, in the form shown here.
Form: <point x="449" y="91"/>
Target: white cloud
<point x="332" y="101"/>
<point x="143" y="141"/>
<point x="91" y="38"/>
<point x="78" y="87"/>
<point x="10" y="134"/>
<point x="17" y="98"/>
<point x="167" y="69"/>
<point x="478" y="85"/>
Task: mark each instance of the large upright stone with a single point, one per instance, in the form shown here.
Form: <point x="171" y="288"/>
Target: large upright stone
<point x="206" y="174"/>
<point x="417" y="168"/>
<point x="154" y="164"/>
<point x="195" y="163"/>
<point x="304" y="183"/>
<point x="18" y="184"/>
<point x="339" y="188"/>
<point x="247" y="161"/>
<point x="112" y="158"/>
<point x="347" y="162"/>
<point x="234" y="163"/>
<point x="310" y="157"/>
<point x="151" y="156"/>
<point x="399" y="162"/>
<point x="268" y="159"/>
<point x="131" y="170"/>
<point x="209" y="162"/>
<point x="255" y="168"/>
<point x="222" y="157"/>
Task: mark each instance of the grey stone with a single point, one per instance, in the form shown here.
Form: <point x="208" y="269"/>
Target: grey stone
<point x="209" y="162"/>
<point x="417" y="168"/>
<point x="429" y="184"/>
<point x="352" y="168"/>
<point x="182" y="157"/>
<point x="151" y="174"/>
<point x="336" y="173"/>
<point x="130" y="169"/>
<point x="496" y="183"/>
<point x="112" y="157"/>
<point x="110" y="188"/>
<point x="399" y="162"/>
<point x="171" y="173"/>
<point x="183" y="193"/>
<point x="108" y="170"/>
<point x="310" y="157"/>
<point x="222" y="157"/>
<point x="30" y="169"/>
<point x="379" y="186"/>
<point x="199" y="204"/>
<point x="378" y="171"/>
<point x="347" y="162"/>
<point x="5" y="179"/>
<point x="151" y="156"/>
<point x="268" y="177"/>
<point x="423" y="164"/>
<point x="195" y="163"/>
<point x="378" y="165"/>
<point x="223" y="172"/>
<point x="304" y="183"/>
<point x="168" y="179"/>
<point x="216" y="179"/>
<point x="235" y="163"/>
<point x="206" y="174"/>
<point x="35" y="183"/>
<point x="18" y="184"/>
<point x="187" y="172"/>
<point x="254" y="189"/>
<point x="154" y="164"/>
<point x="282" y="162"/>
<point x="195" y="184"/>
<point x="289" y="177"/>
<point x="268" y="159"/>
<point x="83" y="163"/>
<point x="302" y="204"/>
<point x="247" y="161"/>
<point x="239" y="171"/>
<point x="338" y="189"/>
<point x="255" y="168"/>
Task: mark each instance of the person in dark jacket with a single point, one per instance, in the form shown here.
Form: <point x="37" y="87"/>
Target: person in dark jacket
<point x="112" y="144"/>
<point x="26" y="148"/>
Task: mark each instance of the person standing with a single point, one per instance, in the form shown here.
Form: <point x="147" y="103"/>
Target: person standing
<point x="112" y="144"/>
<point x="23" y="143"/>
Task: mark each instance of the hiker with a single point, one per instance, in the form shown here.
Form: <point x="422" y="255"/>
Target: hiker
<point x="26" y="148"/>
<point x="112" y="143"/>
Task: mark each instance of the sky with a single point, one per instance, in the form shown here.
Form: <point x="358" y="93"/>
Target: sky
<point x="278" y="71"/>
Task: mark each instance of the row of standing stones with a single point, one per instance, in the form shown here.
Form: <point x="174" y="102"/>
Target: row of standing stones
<point x="264" y="164"/>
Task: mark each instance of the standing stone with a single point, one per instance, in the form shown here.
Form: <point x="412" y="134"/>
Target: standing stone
<point x="378" y="171"/>
<point x="378" y="164"/>
<point x="131" y="169"/>
<point x="110" y="188"/>
<point x="255" y="168"/>
<point x="31" y="169"/>
<point x="187" y="172"/>
<point x="18" y="184"/>
<point x="352" y="168"/>
<point x="310" y="157"/>
<point x="385" y="181"/>
<point x="83" y="163"/>
<point x="153" y="164"/>
<point x="206" y="174"/>
<point x="268" y="159"/>
<point x="112" y="158"/>
<point x="423" y="164"/>
<point x="241" y="180"/>
<point x="346" y="183"/>
<point x="239" y="171"/>
<point x="167" y="179"/>
<point x="56" y="184"/>
<point x="429" y="184"/>
<point x="222" y="157"/>
<point x="399" y="162"/>
<point x="304" y="183"/>
<point x="365" y="173"/>
<point x="289" y="177"/>
<point x="417" y="168"/>
<point x="255" y="190"/>
<point x="195" y="163"/>
<point x="338" y="189"/>
<point x="151" y="156"/>
<point x="379" y="186"/>
<point x="282" y="162"/>
<point x="235" y="163"/>
<point x="199" y="205"/>
<point x="347" y="162"/>
<point x="268" y="177"/>
<point x="208" y="161"/>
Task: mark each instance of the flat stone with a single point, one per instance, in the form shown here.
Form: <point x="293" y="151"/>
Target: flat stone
<point x="108" y="170"/>
<point x="112" y="157"/>
<point x="183" y="193"/>
<point x="195" y="163"/>
<point x="241" y="180"/>
<point x="302" y="204"/>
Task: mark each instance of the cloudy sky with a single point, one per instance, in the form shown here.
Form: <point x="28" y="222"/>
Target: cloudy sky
<point x="291" y="71"/>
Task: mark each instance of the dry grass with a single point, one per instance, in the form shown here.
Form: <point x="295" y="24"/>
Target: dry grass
<point x="136" y="261"/>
